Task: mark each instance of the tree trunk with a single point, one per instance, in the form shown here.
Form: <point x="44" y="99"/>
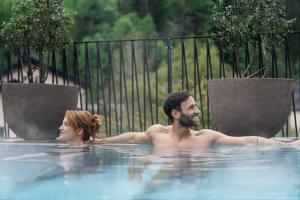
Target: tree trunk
<point x="42" y="68"/>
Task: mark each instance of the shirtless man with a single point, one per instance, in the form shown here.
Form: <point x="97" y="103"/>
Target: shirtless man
<point x="182" y="109"/>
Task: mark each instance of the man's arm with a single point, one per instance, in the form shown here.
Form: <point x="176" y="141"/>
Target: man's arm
<point x="220" y="138"/>
<point x="130" y="137"/>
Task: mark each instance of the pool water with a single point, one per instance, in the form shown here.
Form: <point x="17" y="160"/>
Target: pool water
<point x="54" y="171"/>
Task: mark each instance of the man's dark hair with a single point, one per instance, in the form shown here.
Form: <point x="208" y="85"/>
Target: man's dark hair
<point x="174" y="101"/>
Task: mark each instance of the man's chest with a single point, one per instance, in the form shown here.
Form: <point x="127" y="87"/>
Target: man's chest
<point x="165" y="140"/>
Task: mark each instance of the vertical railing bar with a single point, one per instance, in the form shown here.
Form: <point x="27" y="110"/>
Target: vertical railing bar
<point x="236" y="70"/>
<point x="109" y="89"/>
<point x="102" y="86"/>
<point x="77" y="74"/>
<point x="196" y="63"/>
<point x="149" y="87"/>
<point x="209" y="76"/>
<point x="233" y="63"/>
<point x="287" y="73"/>
<point x="260" y="59"/>
<point x="29" y="66"/>
<point x="285" y="59"/>
<point x="64" y="67"/>
<point x="286" y="76"/>
<point x="20" y="63"/>
<point x="275" y="62"/>
<point x="19" y="67"/>
<point x="85" y="75"/>
<point x="288" y="61"/>
<point x="65" y="64"/>
<point x="294" y="112"/>
<point x="137" y="89"/>
<point x="125" y="87"/>
<point x="54" y="69"/>
<point x="287" y="128"/>
<point x="221" y="58"/>
<point x="247" y="60"/>
<point x="273" y="55"/>
<point x="170" y="73"/>
<point x="290" y="76"/>
<point x="75" y="63"/>
<point x="209" y="60"/>
<point x="282" y="132"/>
<point x="184" y="64"/>
<point x="89" y="78"/>
<point x="113" y="85"/>
<point x="144" y="83"/>
<point x="169" y="54"/>
<point x="298" y="67"/>
<point x="237" y="62"/>
<point x="185" y="67"/>
<point x="121" y="91"/>
<point x="223" y="62"/>
<point x="9" y="66"/>
<point x="97" y="78"/>
<point x="195" y="68"/>
<point x="1" y="80"/>
<point x="156" y="83"/>
<point x="56" y="73"/>
<point x="132" y="84"/>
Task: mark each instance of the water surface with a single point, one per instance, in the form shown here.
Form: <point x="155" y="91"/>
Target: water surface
<point x="53" y="171"/>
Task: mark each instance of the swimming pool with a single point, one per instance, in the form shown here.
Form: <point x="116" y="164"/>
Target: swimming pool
<point x="53" y="171"/>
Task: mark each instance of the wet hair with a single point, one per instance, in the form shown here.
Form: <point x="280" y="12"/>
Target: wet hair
<point x="85" y="120"/>
<point x="174" y="101"/>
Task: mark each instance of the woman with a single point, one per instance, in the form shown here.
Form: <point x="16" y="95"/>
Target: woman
<point x="78" y="127"/>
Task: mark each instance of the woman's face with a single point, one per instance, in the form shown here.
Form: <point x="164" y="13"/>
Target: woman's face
<point x="66" y="132"/>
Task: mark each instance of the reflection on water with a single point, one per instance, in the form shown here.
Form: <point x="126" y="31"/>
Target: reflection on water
<point x="141" y="172"/>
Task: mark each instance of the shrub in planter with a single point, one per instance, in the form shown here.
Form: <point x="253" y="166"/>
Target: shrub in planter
<point x="41" y="25"/>
<point x="261" y="23"/>
<point x="34" y="111"/>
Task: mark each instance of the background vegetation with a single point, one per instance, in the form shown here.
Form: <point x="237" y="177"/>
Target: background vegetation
<point x="128" y="19"/>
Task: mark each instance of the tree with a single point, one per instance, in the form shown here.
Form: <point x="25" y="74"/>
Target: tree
<point x="38" y="24"/>
<point x="259" y="21"/>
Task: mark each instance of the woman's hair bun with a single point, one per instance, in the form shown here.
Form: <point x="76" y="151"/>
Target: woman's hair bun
<point x="97" y="119"/>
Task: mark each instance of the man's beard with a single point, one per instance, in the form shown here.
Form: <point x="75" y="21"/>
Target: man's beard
<point x="188" y="121"/>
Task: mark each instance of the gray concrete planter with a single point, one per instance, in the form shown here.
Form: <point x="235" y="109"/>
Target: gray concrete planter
<point x="35" y="111"/>
<point x="250" y="106"/>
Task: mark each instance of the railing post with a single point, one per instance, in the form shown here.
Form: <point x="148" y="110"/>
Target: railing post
<point x="169" y="53"/>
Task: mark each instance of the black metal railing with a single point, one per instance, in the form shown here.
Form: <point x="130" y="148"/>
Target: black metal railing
<point x="126" y="81"/>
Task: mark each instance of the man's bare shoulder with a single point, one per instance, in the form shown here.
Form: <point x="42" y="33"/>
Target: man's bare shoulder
<point x="157" y="128"/>
<point x="207" y="132"/>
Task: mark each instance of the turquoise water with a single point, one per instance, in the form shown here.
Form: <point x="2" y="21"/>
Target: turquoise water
<point x="53" y="171"/>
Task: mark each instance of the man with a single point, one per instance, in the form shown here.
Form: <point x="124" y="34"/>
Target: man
<point x="182" y="109"/>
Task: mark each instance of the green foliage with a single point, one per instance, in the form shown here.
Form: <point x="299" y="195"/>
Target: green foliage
<point x="190" y="17"/>
<point x="172" y="17"/>
<point x="5" y="6"/>
<point x="93" y="17"/>
<point x="251" y="20"/>
<point x="131" y="26"/>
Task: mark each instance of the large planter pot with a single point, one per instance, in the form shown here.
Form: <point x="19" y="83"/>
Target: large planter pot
<point x="250" y="106"/>
<point x="35" y="111"/>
